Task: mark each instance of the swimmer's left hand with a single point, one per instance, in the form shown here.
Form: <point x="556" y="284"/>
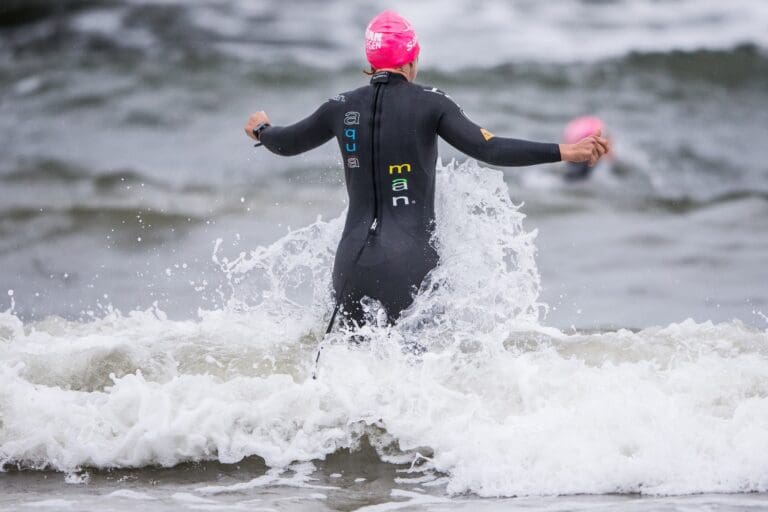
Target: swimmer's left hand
<point x="255" y="120"/>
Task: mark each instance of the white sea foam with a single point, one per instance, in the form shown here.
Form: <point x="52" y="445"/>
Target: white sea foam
<point x="274" y="477"/>
<point x="185" y="497"/>
<point x="411" y="499"/>
<point x="78" y="478"/>
<point x="499" y="403"/>
<point x="57" y="504"/>
<point x="130" y="495"/>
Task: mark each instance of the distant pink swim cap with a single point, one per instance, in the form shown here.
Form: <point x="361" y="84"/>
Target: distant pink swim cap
<point x="582" y="127"/>
<point x="390" y="41"/>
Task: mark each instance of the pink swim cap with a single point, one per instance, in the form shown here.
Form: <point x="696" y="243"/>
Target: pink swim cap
<point x="390" y="41"/>
<point x="582" y="127"/>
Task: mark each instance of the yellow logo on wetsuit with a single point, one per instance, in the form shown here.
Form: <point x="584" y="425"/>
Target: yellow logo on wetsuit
<point x="486" y="134"/>
<point x="399" y="168"/>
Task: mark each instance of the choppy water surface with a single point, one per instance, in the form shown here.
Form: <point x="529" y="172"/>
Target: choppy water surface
<point x="164" y="283"/>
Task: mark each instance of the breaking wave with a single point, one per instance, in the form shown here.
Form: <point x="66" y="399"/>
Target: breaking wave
<point x="495" y="400"/>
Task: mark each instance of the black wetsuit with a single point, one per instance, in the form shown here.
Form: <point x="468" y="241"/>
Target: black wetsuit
<point x="387" y="132"/>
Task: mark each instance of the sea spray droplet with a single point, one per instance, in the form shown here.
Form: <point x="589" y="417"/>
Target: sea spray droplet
<point x="10" y="293"/>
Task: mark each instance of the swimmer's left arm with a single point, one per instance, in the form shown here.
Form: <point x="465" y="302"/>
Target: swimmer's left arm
<point x="299" y="137"/>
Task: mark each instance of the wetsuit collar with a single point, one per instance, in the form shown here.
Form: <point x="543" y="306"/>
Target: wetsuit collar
<point x="386" y="76"/>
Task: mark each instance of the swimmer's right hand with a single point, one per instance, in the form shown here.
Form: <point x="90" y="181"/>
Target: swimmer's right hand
<point x="589" y="149"/>
<point x="255" y="120"/>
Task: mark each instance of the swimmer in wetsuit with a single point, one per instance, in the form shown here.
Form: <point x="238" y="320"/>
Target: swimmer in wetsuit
<point x="387" y="133"/>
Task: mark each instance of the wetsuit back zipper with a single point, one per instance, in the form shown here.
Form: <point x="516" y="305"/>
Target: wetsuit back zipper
<point x="374" y="130"/>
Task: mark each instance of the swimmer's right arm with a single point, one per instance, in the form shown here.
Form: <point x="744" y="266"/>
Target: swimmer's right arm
<point x="456" y="128"/>
<point x="299" y="137"/>
<point x="479" y="143"/>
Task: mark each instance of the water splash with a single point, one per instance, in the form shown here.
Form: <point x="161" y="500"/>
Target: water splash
<point x="499" y="403"/>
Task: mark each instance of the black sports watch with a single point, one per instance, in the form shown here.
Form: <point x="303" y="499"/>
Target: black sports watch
<point x="257" y="132"/>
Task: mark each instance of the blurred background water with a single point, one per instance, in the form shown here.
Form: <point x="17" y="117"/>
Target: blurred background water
<point x="123" y="164"/>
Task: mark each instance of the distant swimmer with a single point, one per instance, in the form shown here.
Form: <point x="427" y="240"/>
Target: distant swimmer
<point x="387" y="134"/>
<point x="576" y="130"/>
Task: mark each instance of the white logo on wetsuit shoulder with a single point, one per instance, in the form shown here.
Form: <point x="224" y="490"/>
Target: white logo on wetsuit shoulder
<point x="436" y="91"/>
<point x="340" y="98"/>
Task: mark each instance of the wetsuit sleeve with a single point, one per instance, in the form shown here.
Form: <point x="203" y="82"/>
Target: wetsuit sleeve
<point x="302" y="136"/>
<point x="479" y="143"/>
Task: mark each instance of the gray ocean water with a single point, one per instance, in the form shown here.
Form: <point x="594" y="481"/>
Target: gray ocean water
<point x="160" y="275"/>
